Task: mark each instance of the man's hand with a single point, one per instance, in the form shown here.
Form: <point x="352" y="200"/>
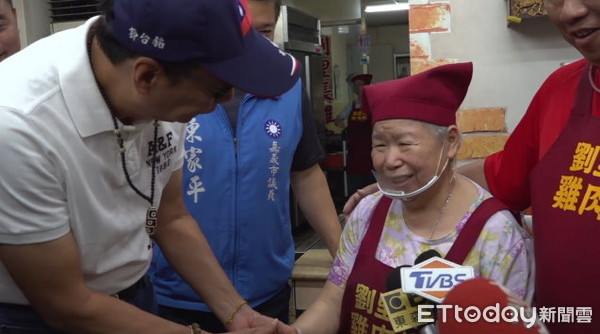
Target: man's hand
<point x="286" y="329"/>
<point x="249" y="318"/>
<point x="357" y="197"/>
<point x="271" y="327"/>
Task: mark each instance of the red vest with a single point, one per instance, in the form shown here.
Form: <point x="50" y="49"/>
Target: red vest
<point x="359" y="142"/>
<point x="565" y="201"/>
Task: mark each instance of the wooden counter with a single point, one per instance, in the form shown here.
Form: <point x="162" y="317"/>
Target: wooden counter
<point x="309" y="276"/>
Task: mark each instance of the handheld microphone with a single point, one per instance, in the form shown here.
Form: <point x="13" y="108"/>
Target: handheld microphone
<point x="402" y="308"/>
<point x="426" y="255"/>
<point x="480" y="305"/>
<point x="393" y="281"/>
<point x="432" y="276"/>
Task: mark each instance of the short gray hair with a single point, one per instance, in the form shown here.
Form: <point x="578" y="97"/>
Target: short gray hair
<point x="440" y="132"/>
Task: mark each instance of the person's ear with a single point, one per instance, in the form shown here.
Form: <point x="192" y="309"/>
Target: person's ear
<point x="147" y="73"/>
<point x="453" y="138"/>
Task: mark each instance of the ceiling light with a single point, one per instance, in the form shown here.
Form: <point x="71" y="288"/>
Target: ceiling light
<point x="343" y="30"/>
<point x="387" y="8"/>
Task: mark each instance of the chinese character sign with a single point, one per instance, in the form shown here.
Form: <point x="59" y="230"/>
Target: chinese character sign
<point x="573" y="193"/>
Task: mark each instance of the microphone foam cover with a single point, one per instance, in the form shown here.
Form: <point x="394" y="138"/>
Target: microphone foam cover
<point x="482" y="293"/>
<point x="426" y="255"/>
<point x="393" y="281"/>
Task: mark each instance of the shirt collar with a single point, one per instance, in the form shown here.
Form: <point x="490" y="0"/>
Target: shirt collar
<point x="82" y="96"/>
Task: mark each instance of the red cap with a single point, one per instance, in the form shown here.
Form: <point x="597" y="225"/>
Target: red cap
<point x="366" y="78"/>
<point x="481" y="293"/>
<point x="432" y="96"/>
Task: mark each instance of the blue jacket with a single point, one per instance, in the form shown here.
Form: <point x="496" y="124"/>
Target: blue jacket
<point x="237" y="186"/>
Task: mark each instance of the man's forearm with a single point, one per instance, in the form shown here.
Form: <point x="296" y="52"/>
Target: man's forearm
<point x="312" y="192"/>
<point x="50" y="277"/>
<point x="475" y="171"/>
<point x="189" y="253"/>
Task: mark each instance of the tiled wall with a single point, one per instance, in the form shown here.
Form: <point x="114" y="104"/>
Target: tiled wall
<point x="484" y="132"/>
<point x="484" y="128"/>
<point x="424" y="19"/>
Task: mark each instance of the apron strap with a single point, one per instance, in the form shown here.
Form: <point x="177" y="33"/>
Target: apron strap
<point x="470" y="232"/>
<point x="583" y="102"/>
<point x="371" y="239"/>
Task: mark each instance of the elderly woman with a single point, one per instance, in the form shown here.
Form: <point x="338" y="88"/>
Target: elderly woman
<point x="422" y="204"/>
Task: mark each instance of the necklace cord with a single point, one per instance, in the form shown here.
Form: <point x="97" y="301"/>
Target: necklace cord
<point x="121" y="141"/>
<point x="437" y="222"/>
<point x="591" y="77"/>
<point x="122" y="150"/>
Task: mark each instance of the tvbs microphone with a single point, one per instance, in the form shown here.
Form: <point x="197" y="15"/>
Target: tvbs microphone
<point x="426" y="255"/>
<point x="433" y="277"/>
<point x="480" y="305"/>
<point x="402" y="308"/>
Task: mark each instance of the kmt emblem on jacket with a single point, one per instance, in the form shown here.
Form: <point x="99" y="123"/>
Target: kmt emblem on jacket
<point x="273" y="128"/>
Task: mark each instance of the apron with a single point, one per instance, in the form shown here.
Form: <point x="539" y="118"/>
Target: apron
<point x="565" y="202"/>
<point x="359" y="142"/>
<point x="362" y="306"/>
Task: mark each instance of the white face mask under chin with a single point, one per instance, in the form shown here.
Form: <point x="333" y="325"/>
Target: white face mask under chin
<point x="404" y="196"/>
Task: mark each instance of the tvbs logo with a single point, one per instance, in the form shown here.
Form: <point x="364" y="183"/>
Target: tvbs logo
<point x="432" y="279"/>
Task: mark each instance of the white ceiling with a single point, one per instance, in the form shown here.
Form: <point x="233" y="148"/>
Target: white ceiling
<point x="385" y="18"/>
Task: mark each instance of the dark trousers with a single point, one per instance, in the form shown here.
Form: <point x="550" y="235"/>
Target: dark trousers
<point x="22" y="319"/>
<point x="276" y="307"/>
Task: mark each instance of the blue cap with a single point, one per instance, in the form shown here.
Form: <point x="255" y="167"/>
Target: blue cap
<point x="217" y="34"/>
